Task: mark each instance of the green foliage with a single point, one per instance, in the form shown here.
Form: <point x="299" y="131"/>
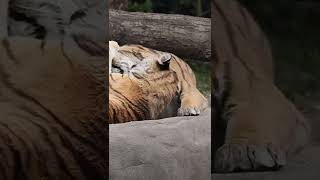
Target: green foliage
<point x="145" y="6"/>
<point x="187" y="7"/>
<point x="203" y="75"/>
<point x="297" y="68"/>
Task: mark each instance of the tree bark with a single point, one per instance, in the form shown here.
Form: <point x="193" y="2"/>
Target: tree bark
<point x="186" y="36"/>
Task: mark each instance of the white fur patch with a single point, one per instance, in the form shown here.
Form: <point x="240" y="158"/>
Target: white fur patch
<point x="113" y="49"/>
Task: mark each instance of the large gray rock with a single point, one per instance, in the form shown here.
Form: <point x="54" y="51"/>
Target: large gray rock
<point x="176" y="148"/>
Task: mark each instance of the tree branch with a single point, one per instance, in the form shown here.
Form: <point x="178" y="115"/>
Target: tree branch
<point x="186" y="36"/>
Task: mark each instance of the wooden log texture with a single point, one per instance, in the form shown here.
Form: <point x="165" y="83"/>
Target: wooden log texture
<point x="186" y="36"/>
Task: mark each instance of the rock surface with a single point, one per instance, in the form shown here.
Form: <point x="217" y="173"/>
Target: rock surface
<point x="177" y="148"/>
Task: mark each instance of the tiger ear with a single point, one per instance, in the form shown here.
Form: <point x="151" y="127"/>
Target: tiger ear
<point x="165" y="59"/>
<point x="114" y="45"/>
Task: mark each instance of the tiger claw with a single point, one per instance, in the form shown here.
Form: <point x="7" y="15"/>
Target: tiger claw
<point x="243" y="157"/>
<point x="189" y="111"/>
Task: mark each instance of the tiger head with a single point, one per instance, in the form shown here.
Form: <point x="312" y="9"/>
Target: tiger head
<point x="127" y="61"/>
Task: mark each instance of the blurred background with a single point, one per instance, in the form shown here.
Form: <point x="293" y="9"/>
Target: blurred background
<point x="199" y="8"/>
<point x="293" y="28"/>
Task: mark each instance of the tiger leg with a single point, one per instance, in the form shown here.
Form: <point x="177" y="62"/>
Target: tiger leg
<point x="192" y="101"/>
<point x="263" y="127"/>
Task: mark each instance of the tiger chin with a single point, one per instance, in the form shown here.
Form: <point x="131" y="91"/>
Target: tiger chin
<point x="161" y="83"/>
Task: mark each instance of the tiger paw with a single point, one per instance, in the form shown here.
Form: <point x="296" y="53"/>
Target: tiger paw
<point x="192" y="103"/>
<point x="188" y="111"/>
<point x="244" y="157"/>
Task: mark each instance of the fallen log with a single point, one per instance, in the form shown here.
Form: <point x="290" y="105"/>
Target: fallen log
<point x="186" y="36"/>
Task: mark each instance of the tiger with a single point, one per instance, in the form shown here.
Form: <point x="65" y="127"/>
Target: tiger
<point x="255" y="126"/>
<point x="141" y="61"/>
<point x="132" y="98"/>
